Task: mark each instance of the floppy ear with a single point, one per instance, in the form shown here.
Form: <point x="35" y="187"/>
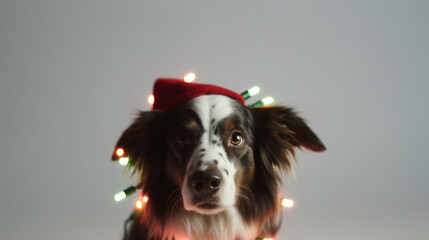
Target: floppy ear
<point x="143" y="142"/>
<point x="278" y="131"/>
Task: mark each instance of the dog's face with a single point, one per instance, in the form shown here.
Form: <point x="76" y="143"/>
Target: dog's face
<point x="210" y="146"/>
<point x="211" y="154"/>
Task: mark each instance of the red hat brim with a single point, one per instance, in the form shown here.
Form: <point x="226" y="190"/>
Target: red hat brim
<point x="170" y="93"/>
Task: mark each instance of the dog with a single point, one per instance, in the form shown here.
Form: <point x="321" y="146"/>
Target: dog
<point x="211" y="166"/>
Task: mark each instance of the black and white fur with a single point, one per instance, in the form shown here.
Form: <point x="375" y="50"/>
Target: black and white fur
<point x="210" y="166"/>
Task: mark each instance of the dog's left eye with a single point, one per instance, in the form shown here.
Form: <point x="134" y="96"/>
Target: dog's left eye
<point x="236" y="139"/>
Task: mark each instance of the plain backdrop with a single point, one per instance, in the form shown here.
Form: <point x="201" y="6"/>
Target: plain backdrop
<point x="74" y="73"/>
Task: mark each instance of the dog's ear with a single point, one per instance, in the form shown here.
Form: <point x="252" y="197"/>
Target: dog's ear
<point x="143" y="143"/>
<point x="278" y="131"/>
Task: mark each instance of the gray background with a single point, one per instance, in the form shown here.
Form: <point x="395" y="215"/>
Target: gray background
<point x="74" y="73"/>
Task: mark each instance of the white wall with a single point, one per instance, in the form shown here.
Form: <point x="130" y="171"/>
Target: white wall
<point x="73" y="73"/>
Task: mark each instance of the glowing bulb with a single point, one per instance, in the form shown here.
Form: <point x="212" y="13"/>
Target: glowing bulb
<point x="120" y="196"/>
<point x="267" y="100"/>
<point x="125" y="193"/>
<point x="120" y="152"/>
<point x="250" y="92"/>
<point x="190" y="77"/>
<point x="142" y="200"/>
<point x="288" y="203"/>
<point x="253" y="91"/>
<point x="124" y="161"/>
<point x="264" y="101"/>
<point x="268" y="239"/>
<point x="151" y="99"/>
<point x="139" y="204"/>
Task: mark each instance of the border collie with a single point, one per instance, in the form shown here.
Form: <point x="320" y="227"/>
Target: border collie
<point x="211" y="166"/>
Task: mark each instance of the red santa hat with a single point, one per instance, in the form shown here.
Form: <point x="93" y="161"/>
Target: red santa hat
<point x="170" y="93"/>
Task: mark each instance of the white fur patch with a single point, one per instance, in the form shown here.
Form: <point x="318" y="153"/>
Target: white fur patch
<point x="227" y="225"/>
<point x="212" y="109"/>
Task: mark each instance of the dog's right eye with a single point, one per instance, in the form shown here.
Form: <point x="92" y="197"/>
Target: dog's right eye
<point x="182" y="139"/>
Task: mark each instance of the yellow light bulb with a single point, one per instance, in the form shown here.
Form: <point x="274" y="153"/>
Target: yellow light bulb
<point x="139" y="204"/>
<point x="190" y="77"/>
<point x="288" y="203"/>
<point x="151" y="99"/>
<point x="120" y="152"/>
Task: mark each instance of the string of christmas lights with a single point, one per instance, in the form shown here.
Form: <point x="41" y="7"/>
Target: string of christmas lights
<point x="142" y="198"/>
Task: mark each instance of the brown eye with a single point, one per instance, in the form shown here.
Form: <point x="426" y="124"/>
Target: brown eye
<point x="236" y="139"/>
<point x="181" y="139"/>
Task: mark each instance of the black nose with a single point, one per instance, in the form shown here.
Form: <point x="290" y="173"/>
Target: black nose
<point x="206" y="182"/>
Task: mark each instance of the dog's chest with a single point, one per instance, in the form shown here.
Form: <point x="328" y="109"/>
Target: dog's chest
<point x="227" y="225"/>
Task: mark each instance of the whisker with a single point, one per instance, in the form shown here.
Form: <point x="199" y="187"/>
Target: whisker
<point x="245" y="195"/>
<point x="172" y="199"/>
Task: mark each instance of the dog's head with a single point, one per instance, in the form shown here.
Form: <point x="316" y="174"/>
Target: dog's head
<point x="212" y="153"/>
